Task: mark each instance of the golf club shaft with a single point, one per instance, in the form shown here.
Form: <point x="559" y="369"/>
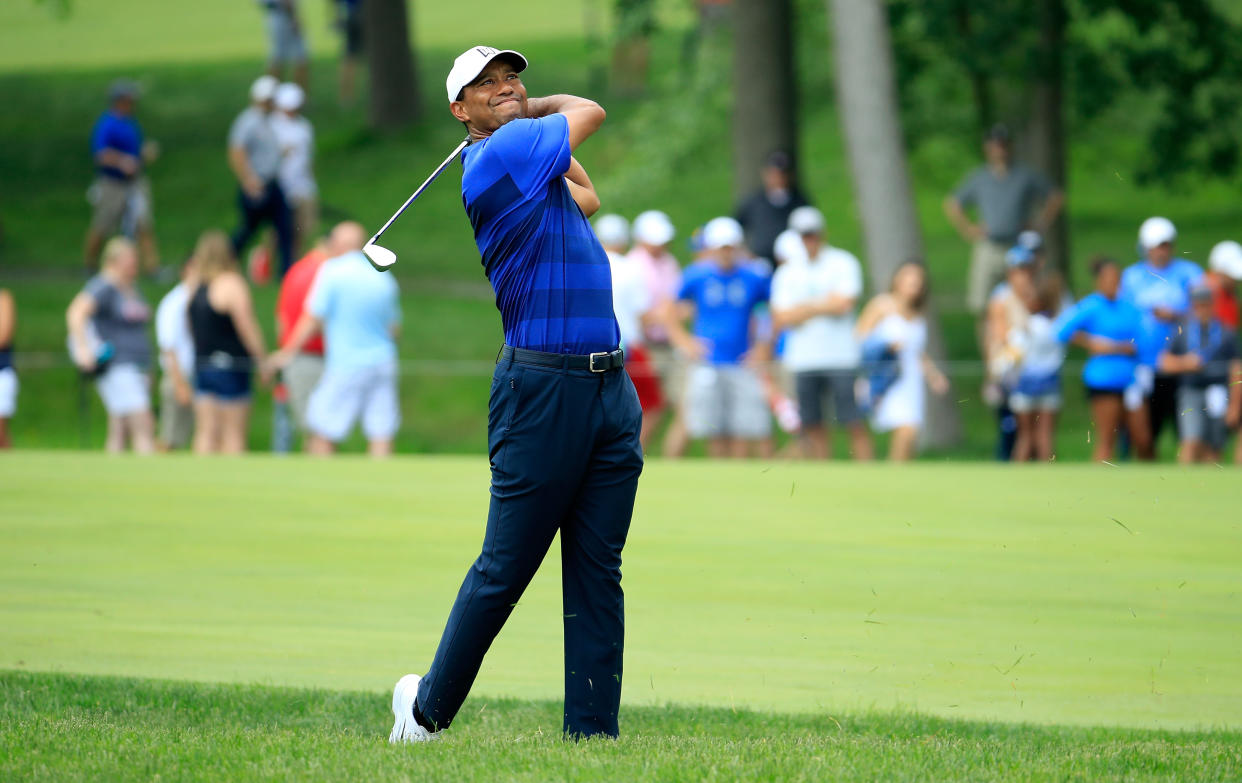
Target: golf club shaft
<point x="439" y="170"/>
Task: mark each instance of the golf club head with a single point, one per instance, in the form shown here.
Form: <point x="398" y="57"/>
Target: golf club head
<point x="380" y="257"/>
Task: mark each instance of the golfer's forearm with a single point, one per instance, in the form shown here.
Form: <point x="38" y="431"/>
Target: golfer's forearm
<point x="581" y="189"/>
<point x="585" y="116"/>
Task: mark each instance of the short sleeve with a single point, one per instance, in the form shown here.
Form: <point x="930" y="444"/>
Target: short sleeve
<point x="851" y="276"/>
<point x="319" y="300"/>
<point x="534" y="152"/>
<point x="784" y="287"/>
<point x="690" y="283"/>
<point x="1071" y="321"/>
<point x="967" y="193"/>
<point x="99" y="137"/>
<point x="167" y="328"/>
<point x="240" y="129"/>
<point x="762" y="288"/>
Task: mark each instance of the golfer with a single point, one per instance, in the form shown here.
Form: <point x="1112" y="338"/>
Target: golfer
<point x="564" y="419"/>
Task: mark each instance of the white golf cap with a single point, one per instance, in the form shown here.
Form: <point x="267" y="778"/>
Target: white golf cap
<point x="806" y="220"/>
<point x="289" y="97"/>
<point x="470" y="63"/>
<point x="1156" y="231"/>
<point x="654" y="228"/>
<point x="264" y="88"/>
<point x="788" y="247"/>
<point x="1226" y="258"/>
<point x="612" y="230"/>
<point x="1031" y="240"/>
<point x="722" y="232"/>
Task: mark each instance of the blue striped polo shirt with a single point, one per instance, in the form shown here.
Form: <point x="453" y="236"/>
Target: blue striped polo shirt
<point x="552" y="279"/>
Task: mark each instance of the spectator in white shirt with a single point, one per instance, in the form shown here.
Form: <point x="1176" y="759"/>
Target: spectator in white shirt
<point x="631" y="302"/>
<point x="176" y="347"/>
<point x="815" y="297"/>
<point x="296" y="139"/>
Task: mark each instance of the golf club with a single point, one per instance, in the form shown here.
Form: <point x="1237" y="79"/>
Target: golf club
<point x="381" y="257"/>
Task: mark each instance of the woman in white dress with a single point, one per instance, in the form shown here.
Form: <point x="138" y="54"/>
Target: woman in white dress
<point x="896" y="318"/>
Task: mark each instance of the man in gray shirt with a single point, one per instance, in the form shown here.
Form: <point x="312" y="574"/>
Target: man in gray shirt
<point x="1006" y="197"/>
<point x="254" y="157"/>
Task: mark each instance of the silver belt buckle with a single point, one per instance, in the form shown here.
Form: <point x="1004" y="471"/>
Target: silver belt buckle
<point x="591" y="361"/>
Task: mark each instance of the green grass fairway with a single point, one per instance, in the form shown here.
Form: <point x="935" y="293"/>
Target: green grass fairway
<point x="1080" y="595"/>
<point x="60" y="728"/>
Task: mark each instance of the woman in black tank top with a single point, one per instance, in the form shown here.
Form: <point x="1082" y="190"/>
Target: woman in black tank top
<point x="228" y="345"/>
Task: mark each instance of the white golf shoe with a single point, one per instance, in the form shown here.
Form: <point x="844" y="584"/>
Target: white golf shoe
<point x="405" y="728"/>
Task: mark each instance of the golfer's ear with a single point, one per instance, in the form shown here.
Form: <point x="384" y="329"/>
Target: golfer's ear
<point x="459" y="111"/>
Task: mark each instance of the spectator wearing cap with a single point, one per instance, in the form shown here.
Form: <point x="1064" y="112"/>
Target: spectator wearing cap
<point x="1159" y="286"/>
<point x="1225" y="264"/>
<point x="1007" y="197"/>
<point x="121" y="193"/>
<point x="254" y="157"/>
<point x="631" y="302"/>
<point x="1203" y="356"/>
<point x="652" y="232"/>
<point x="1109" y="329"/>
<point x="765" y="213"/>
<point x="815" y="297"/>
<point x="1007" y="311"/>
<point x="296" y="139"/>
<point x="287" y="44"/>
<point x="719" y="295"/>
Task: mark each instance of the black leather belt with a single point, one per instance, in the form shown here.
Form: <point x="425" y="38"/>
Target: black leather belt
<point x="595" y="362"/>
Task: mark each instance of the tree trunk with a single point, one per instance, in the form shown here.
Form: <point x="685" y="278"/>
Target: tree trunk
<point x="867" y="105"/>
<point x="394" y="99"/>
<point x="764" y="93"/>
<point x="1047" y="125"/>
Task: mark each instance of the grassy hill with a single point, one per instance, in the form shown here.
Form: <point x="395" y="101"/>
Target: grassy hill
<point x="668" y="150"/>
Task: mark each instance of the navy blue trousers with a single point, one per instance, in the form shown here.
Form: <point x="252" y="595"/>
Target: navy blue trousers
<point x="271" y="207"/>
<point x="565" y="457"/>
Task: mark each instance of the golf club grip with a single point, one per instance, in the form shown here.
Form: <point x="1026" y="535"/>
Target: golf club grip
<point x="439" y="170"/>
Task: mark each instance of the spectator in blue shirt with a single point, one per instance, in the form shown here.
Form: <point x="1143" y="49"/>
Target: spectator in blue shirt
<point x="1159" y="286"/>
<point x="121" y="195"/>
<point x="724" y="395"/>
<point x="1109" y="328"/>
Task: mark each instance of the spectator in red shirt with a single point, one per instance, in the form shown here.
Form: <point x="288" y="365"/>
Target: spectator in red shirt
<point x="302" y="373"/>
<point x="1225" y="263"/>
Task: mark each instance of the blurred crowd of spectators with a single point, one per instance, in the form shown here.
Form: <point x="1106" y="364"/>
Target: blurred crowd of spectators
<point x="766" y="328"/>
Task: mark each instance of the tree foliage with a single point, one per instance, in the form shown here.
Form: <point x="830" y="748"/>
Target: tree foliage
<point x="1174" y="56"/>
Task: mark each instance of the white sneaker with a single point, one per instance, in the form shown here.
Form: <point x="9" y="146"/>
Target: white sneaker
<point x="405" y="728"/>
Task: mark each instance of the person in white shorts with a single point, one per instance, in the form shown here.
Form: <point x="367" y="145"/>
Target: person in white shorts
<point x="724" y="396"/>
<point x="176" y="345"/>
<point x="359" y="311"/>
<point x="8" y="375"/>
<point x="108" y="339"/>
<point x="895" y="319"/>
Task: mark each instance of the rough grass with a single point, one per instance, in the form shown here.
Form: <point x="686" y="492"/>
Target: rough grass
<point x="65" y="727"/>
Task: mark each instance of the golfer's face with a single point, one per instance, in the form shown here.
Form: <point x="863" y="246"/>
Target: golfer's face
<point x="496" y="97"/>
